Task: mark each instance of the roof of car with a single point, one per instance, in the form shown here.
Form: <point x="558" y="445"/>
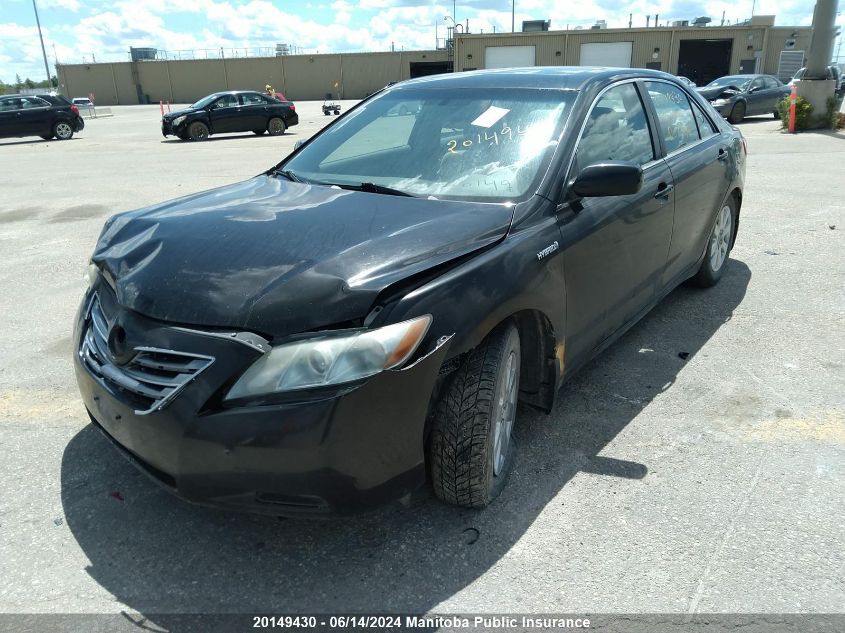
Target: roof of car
<point x="558" y="77"/>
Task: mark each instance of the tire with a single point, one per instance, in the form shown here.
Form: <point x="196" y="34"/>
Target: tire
<point x="336" y="112"/>
<point x="721" y="238"/>
<point x="776" y="114"/>
<point x="184" y="136"/>
<point x="276" y="126"/>
<point x="63" y="130"/>
<point x="737" y="113"/>
<point x="258" y="132"/>
<point x="327" y="112"/>
<point x="469" y="467"/>
<point x="198" y="131"/>
<point x="46" y="137"/>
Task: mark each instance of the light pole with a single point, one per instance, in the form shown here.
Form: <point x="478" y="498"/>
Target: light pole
<point x="43" y="51"/>
<point x="513" y="16"/>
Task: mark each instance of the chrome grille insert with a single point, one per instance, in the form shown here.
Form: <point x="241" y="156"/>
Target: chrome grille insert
<point x="151" y="379"/>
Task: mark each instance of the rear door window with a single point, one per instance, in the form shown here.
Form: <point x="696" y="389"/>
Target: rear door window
<point x="253" y="99"/>
<point x="674" y="112"/>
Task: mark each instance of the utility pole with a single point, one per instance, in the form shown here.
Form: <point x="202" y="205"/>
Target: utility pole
<point x="513" y="16"/>
<point x="40" y="37"/>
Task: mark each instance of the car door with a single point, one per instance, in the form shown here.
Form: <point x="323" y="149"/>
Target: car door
<point x="10" y="114"/>
<point x="225" y="115"/>
<point x="614" y="248"/>
<point x="756" y="98"/>
<point x="774" y="92"/>
<point x="256" y="111"/>
<point x="36" y="116"/>
<point x="699" y="157"/>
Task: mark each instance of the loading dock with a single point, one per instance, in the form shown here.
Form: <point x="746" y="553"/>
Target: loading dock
<point x="704" y="60"/>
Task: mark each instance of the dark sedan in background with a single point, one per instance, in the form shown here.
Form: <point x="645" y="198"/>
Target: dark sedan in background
<point x="738" y="96"/>
<point x="366" y="314"/>
<point x="232" y="111"/>
<point x="44" y="115"/>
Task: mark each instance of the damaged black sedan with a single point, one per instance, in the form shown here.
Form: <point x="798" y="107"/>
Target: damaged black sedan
<point x="365" y="316"/>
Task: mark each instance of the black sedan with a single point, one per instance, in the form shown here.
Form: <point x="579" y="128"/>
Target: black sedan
<point x="738" y="96"/>
<point x="233" y="111"/>
<point x="44" y="115"/>
<point x="365" y="315"/>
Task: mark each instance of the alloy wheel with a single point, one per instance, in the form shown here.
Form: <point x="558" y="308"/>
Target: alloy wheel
<point x="505" y="413"/>
<point x="720" y="239"/>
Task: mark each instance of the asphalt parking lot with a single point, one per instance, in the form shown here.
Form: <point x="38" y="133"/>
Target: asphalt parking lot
<point x="696" y="466"/>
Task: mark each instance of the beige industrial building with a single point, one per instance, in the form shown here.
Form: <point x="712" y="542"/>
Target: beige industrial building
<point x="700" y="53"/>
<point x="298" y="77"/>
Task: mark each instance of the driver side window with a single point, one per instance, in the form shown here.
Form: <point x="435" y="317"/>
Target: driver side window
<point x="616" y="129"/>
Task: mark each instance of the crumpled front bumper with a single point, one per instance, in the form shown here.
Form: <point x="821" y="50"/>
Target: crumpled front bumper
<point x="341" y="452"/>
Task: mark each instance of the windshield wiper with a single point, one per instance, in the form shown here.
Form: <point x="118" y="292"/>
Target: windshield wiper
<point x="287" y="173"/>
<point x="371" y="187"/>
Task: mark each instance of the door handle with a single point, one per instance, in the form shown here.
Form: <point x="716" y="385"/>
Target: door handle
<point x="663" y="191"/>
<point x="723" y="154"/>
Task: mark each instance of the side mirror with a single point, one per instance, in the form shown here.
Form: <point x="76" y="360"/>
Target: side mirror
<point x="299" y="143"/>
<point x="754" y="88"/>
<point x="611" y="178"/>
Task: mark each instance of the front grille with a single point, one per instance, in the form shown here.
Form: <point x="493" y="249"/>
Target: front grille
<point x="150" y="380"/>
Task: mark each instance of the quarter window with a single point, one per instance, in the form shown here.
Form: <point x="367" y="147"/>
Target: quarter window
<point x="705" y="125"/>
<point x="617" y="129"/>
<point x="674" y="113"/>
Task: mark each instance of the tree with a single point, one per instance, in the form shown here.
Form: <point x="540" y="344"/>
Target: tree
<point x="28" y="83"/>
<point x="18" y="82"/>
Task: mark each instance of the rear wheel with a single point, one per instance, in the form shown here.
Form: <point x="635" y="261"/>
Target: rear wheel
<point x="718" y="247"/>
<point x="63" y="130"/>
<point x="737" y="113"/>
<point x="198" y="131"/>
<point x="276" y="126"/>
<point x="472" y="448"/>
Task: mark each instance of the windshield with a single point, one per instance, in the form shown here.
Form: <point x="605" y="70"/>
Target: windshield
<point x="476" y="144"/>
<point x="738" y="82"/>
<point x="205" y="101"/>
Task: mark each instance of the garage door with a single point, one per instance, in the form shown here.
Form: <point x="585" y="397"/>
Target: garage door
<point x="509" y="56"/>
<point x="616" y="54"/>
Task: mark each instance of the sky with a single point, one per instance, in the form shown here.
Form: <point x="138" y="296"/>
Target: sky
<point x="103" y="30"/>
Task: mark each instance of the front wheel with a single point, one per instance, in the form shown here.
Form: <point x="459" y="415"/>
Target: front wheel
<point x="63" y="131"/>
<point x="198" y="131"/>
<point x="276" y="126"/>
<point x="737" y="113"/>
<point x="718" y="247"/>
<point x="776" y="114"/>
<point x="472" y="449"/>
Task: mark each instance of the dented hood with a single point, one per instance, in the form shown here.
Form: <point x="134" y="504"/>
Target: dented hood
<point x="278" y="257"/>
<point x="718" y="92"/>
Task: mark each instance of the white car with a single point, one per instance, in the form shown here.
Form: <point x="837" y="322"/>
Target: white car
<point x="83" y="102"/>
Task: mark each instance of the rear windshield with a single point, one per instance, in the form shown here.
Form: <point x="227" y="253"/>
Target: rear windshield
<point x="477" y="144"/>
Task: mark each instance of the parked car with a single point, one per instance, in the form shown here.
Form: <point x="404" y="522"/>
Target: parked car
<point x="83" y="102"/>
<point x="738" y="96"/>
<point x="833" y="72"/>
<point x="322" y="336"/>
<point x="232" y="111"/>
<point x="44" y="115"/>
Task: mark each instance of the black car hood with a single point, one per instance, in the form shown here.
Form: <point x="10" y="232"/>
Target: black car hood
<point x="277" y="257"/>
<point x="177" y="113"/>
<point x="716" y="92"/>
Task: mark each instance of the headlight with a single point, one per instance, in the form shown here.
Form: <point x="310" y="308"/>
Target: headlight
<point x="720" y="102"/>
<point x="331" y="360"/>
<point x="90" y="274"/>
<point x="178" y="120"/>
